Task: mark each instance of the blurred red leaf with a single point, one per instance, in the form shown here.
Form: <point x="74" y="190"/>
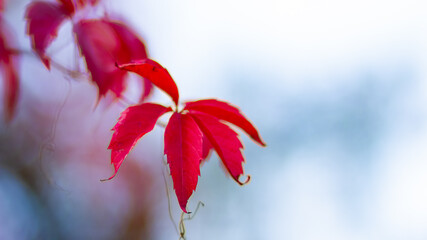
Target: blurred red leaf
<point x="99" y="46"/>
<point x="134" y="123"/>
<point x="8" y="66"/>
<point x="183" y="147"/>
<point x="43" y="22"/>
<point x="133" y="49"/>
<point x="154" y="72"/>
<point x="226" y="112"/>
<point x="225" y="142"/>
<point x="103" y="43"/>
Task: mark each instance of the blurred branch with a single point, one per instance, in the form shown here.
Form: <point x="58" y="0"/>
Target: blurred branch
<point x="76" y="75"/>
<point x="48" y="143"/>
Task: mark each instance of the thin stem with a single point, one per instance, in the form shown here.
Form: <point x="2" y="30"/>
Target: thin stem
<point x="189" y="217"/>
<point x="48" y="143"/>
<point x="195" y="211"/>
<point x="71" y="73"/>
<point x="169" y="201"/>
<point x="182" y="227"/>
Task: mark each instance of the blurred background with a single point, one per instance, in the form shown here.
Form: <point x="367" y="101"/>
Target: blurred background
<point x="337" y="89"/>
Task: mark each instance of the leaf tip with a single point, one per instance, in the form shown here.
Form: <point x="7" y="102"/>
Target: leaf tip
<point x="45" y="61"/>
<point x="248" y="179"/>
<point x="183" y="205"/>
<point x="108" y="179"/>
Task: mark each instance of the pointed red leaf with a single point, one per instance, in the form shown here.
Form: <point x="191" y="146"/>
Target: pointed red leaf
<point x="183" y="147"/>
<point x="225" y="142"/>
<point x="133" y="49"/>
<point x="43" y="22"/>
<point x="134" y="123"/>
<point x="99" y="46"/>
<point x="154" y="72"/>
<point x="226" y="112"/>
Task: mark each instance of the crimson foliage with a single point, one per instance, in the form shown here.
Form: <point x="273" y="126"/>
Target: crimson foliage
<point x="190" y="133"/>
<point x="111" y="49"/>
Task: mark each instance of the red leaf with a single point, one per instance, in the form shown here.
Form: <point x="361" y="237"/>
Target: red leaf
<point x="226" y="112"/>
<point x="134" y="123"/>
<point x="104" y="43"/>
<point x="8" y="67"/>
<point x="183" y="147"/>
<point x="99" y="46"/>
<point x="207" y="148"/>
<point x="154" y="72"/>
<point x="225" y="142"/>
<point x="133" y="49"/>
<point x="43" y="22"/>
<point x="6" y="39"/>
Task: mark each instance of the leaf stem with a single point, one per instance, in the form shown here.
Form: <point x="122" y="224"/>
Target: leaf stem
<point x="168" y="196"/>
